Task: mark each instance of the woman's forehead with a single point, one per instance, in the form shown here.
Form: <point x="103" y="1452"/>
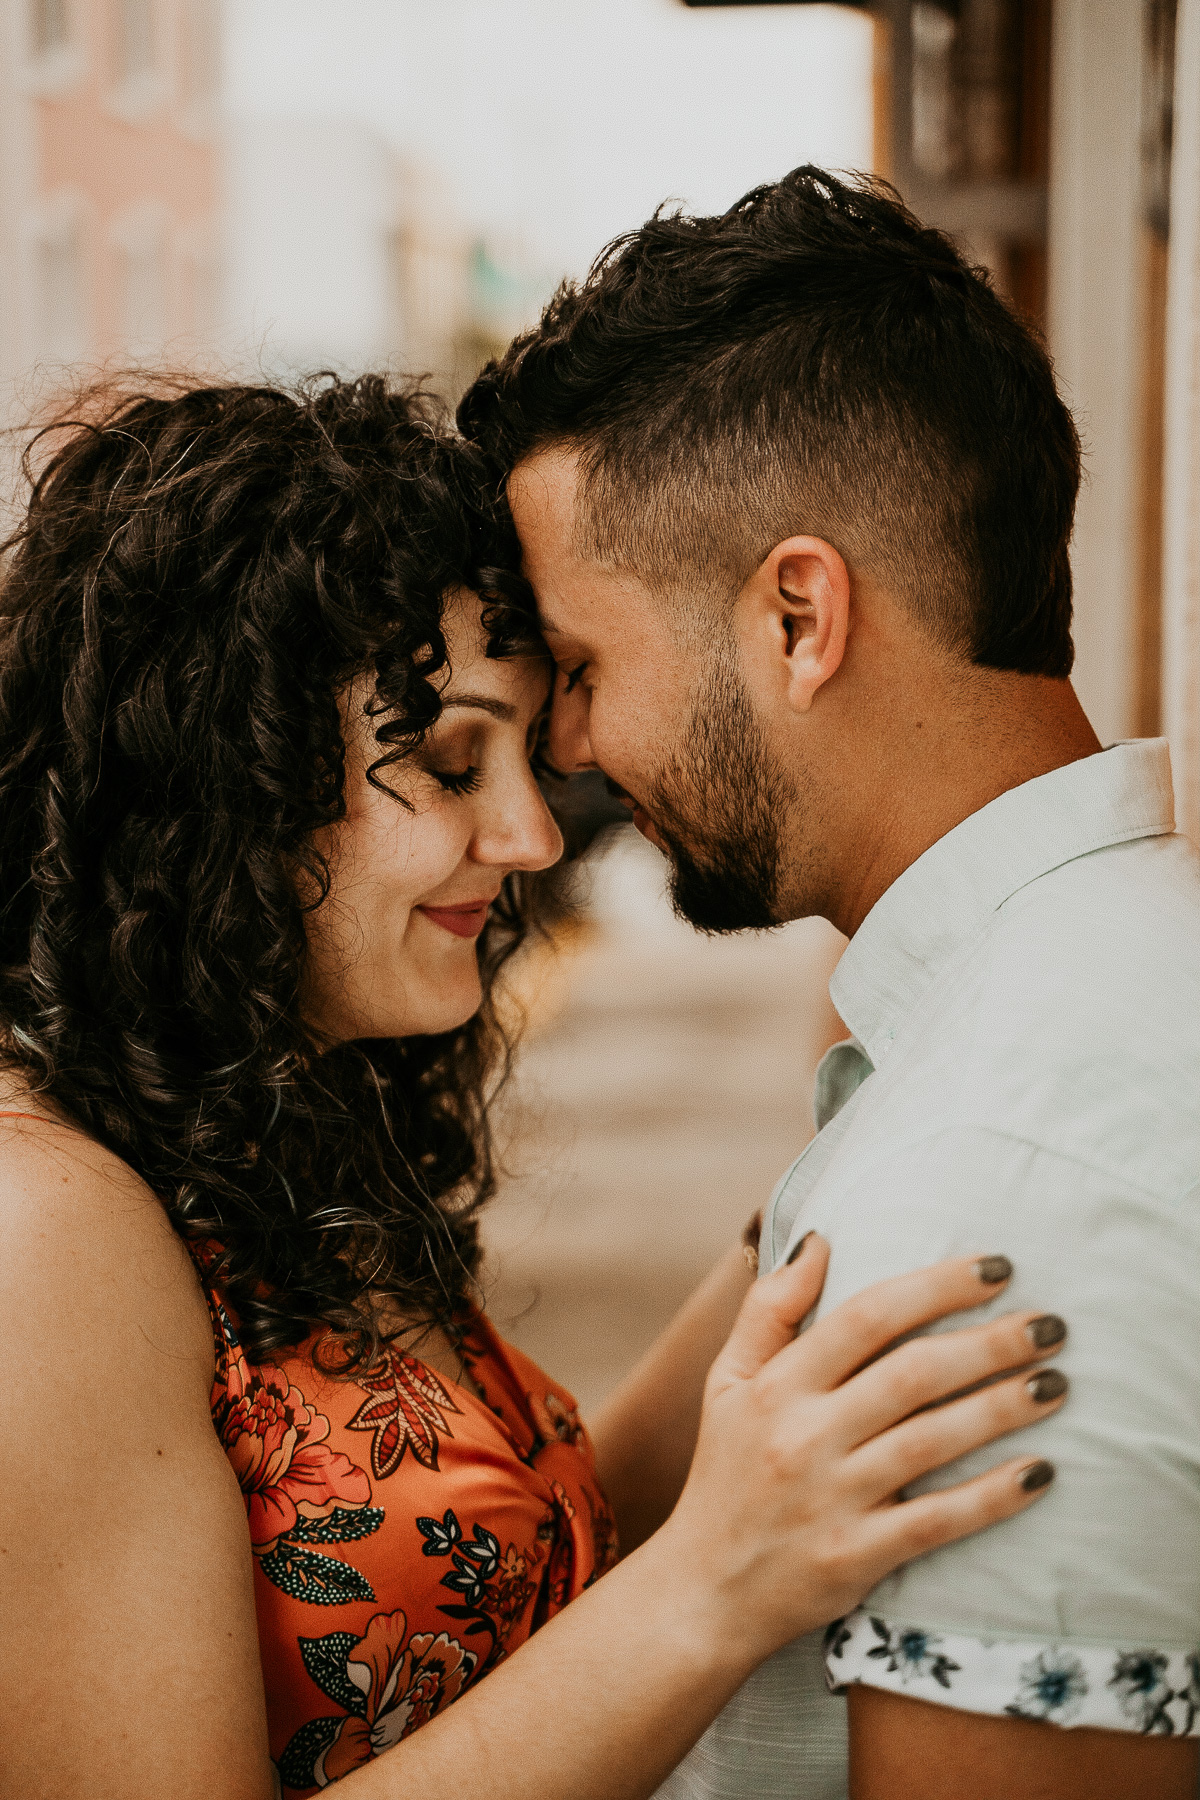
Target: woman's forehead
<point x="522" y="679"/>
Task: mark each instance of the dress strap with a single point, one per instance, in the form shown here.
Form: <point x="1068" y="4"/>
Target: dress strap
<point x="40" y="1117"/>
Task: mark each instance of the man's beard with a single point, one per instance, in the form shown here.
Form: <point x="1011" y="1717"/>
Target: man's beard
<point x="718" y="806"/>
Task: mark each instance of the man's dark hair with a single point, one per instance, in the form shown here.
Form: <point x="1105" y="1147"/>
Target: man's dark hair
<point x="812" y="361"/>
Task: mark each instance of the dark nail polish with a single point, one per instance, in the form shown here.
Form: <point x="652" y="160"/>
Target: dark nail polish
<point x="1037" y="1475"/>
<point x="799" y="1247"/>
<point x="1048" y="1385"/>
<point x="993" y="1269"/>
<point x="1047" y="1330"/>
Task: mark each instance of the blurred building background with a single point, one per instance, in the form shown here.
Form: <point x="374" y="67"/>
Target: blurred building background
<point x="289" y="185"/>
<point x="111" y="184"/>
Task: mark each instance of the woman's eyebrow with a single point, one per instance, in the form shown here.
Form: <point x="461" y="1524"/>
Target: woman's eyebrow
<point x="499" y="709"/>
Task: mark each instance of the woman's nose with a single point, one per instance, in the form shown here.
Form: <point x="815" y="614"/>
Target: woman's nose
<point x="520" y="832"/>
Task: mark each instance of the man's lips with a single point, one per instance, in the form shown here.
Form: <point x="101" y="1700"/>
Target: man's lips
<point x="464" y="921"/>
<point x="645" y="824"/>
<point x="640" y="817"/>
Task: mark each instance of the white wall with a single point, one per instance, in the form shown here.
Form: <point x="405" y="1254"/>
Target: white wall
<point x="1181" y="497"/>
<point x="562" y="122"/>
<point x="313" y="205"/>
<point x="1094" y="329"/>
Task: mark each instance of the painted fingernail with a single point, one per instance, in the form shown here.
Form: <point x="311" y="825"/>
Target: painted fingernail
<point x="1047" y="1385"/>
<point x="799" y="1247"/>
<point x="993" y="1270"/>
<point x="1047" y="1330"/>
<point x="1037" y="1475"/>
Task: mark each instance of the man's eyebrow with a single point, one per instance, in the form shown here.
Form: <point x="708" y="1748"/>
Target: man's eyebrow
<point x="499" y="709"/>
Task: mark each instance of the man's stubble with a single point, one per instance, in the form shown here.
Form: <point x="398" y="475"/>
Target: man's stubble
<point x="721" y="805"/>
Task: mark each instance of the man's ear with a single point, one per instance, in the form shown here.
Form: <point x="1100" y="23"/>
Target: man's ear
<point x="793" y="615"/>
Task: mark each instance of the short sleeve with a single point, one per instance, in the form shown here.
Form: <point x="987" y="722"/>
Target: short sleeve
<point x="1144" y="1690"/>
<point x="1085" y="1609"/>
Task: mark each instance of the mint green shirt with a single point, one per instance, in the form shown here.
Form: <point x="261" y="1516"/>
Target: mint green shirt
<point x="1023" y="1078"/>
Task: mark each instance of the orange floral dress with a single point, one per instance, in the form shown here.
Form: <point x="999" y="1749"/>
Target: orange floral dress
<point x="408" y="1533"/>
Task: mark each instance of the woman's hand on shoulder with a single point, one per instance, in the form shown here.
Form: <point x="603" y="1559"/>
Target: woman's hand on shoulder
<point x="129" y="1660"/>
<point x="805" y="1441"/>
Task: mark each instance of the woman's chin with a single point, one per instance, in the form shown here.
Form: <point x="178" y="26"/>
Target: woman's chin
<point x="401" y="1003"/>
<point x="431" y="1011"/>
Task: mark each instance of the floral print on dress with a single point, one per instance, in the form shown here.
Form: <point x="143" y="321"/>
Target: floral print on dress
<point x="554" y="1420"/>
<point x="495" y="1587"/>
<point x="373" y="1618"/>
<point x="299" y="1492"/>
<point x="388" y="1684"/>
<point x="406" y="1411"/>
<point x="1150" y="1691"/>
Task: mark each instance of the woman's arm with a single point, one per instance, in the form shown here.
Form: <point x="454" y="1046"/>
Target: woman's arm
<point x="781" y="1527"/>
<point x="129" y="1652"/>
<point x="129" y="1659"/>
<point x="645" y="1432"/>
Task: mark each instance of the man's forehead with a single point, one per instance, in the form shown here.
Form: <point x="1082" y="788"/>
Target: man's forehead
<point x="541" y="489"/>
<point x="578" y="597"/>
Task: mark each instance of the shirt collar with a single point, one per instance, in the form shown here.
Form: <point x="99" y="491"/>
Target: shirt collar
<point x="948" y="894"/>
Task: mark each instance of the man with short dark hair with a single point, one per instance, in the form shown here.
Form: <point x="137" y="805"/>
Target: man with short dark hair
<point x="794" y="489"/>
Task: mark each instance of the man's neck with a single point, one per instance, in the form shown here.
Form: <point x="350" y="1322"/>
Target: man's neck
<point x="941" y="762"/>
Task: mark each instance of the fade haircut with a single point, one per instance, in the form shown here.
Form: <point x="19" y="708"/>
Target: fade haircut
<point x="814" y="361"/>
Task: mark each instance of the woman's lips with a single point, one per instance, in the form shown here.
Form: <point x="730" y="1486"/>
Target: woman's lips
<point x="463" y="921"/>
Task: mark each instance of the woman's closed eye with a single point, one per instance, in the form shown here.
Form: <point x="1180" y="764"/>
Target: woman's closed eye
<point x="458" y="781"/>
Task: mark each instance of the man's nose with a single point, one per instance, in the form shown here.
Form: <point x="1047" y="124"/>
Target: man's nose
<point x="568" y="741"/>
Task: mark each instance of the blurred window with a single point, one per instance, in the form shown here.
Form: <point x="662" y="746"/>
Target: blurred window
<point x="934" y="113"/>
<point x="135" y="40"/>
<point x="50" y="28"/>
<point x="202" y="53"/>
<point x="1158" y="94"/>
<point x="142" y="288"/>
<point x="59" y="275"/>
<point x="200" y="294"/>
<point x="966" y="88"/>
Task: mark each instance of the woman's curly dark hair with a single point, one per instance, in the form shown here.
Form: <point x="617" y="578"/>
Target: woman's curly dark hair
<point x="201" y="571"/>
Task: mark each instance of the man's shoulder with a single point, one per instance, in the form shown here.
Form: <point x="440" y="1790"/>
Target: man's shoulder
<point x="1117" y="887"/>
<point x="1101" y="956"/>
<point x="1073" y="1023"/>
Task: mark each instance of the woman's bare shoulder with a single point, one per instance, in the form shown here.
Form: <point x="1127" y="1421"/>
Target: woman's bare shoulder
<point x="125" y="1541"/>
<point x="87" y="1253"/>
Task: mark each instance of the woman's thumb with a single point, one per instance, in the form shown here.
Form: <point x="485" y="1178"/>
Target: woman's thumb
<point x="771" y="1313"/>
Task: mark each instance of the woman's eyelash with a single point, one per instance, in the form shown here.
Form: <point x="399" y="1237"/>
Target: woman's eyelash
<point x="463" y="782"/>
<point x="572" y="678"/>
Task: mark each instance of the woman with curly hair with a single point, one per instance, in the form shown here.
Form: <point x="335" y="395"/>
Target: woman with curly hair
<point x="276" y="1492"/>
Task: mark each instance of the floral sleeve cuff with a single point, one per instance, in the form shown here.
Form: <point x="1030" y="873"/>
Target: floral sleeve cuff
<point x="1136" y="1689"/>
